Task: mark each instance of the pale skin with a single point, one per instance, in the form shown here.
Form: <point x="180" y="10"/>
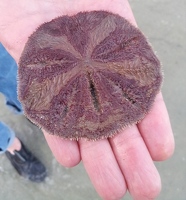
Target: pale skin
<point x="124" y="162"/>
<point x="15" y="146"/>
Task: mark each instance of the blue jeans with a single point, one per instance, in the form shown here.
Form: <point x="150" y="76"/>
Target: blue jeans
<point x="8" y="87"/>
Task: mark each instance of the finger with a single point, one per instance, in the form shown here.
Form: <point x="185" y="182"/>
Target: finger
<point x="156" y="131"/>
<point x="141" y="175"/>
<point x="66" y="152"/>
<point x="102" y="168"/>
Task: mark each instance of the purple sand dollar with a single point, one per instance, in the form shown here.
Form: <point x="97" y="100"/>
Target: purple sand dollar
<point x="87" y="76"/>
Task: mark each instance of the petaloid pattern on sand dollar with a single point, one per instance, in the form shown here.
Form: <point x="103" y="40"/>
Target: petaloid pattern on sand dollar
<point x="87" y="75"/>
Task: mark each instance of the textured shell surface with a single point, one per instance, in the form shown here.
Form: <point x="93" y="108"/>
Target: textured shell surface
<point x="87" y="75"/>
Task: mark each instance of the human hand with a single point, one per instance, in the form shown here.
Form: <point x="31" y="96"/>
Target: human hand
<point x="114" y="165"/>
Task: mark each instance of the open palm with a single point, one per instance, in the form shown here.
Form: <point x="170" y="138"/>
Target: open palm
<point x="114" y="165"/>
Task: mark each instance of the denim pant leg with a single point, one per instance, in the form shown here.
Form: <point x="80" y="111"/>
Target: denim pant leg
<point x="8" y="87"/>
<point x="8" y="80"/>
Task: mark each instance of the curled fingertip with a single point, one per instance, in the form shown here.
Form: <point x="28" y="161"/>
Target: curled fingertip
<point x="66" y="152"/>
